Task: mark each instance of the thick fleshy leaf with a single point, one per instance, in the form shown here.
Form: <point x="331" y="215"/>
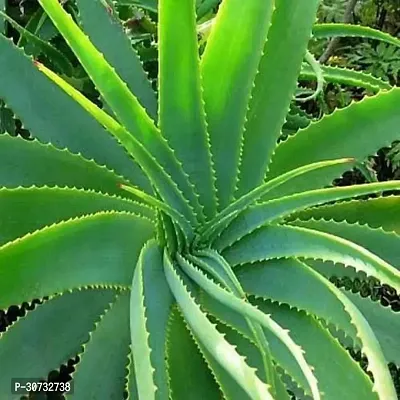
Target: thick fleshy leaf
<point x="45" y="338"/>
<point x="175" y="216"/>
<point x="100" y="372"/>
<point x="376" y="213"/>
<point x="330" y="361"/>
<point x="151" y="302"/>
<point x="224" y="217"/>
<point x="162" y="182"/>
<point x="274" y="87"/>
<point x="356" y="131"/>
<point x="182" y="117"/>
<point x="130" y="383"/>
<point x="321" y="31"/>
<point x="55" y="56"/>
<point x="115" y="92"/>
<point x="216" y="266"/>
<point x="346" y="76"/>
<point x="97" y="249"/>
<point x="224" y="353"/>
<point x="67" y="169"/>
<point x="384" y="322"/>
<point x="276" y="209"/>
<point x="105" y="31"/>
<point x="247" y="310"/>
<point x="383" y="244"/>
<point x="292" y="241"/>
<point x="287" y="281"/>
<point x="228" y="66"/>
<point x="252" y="354"/>
<point x="51" y="205"/>
<point x="28" y="93"/>
<point x="187" y="369"/>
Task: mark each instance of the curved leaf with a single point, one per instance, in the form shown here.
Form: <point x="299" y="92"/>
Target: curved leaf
<point x="187" y="368"/>
<point x="331" y="362"/>
<point x="277" y="209"/>
<point x="60" y="204"/>
<point x="97" y="249"/>
<point x="252" y="354"/>
<point x="124" y="104"/>
<point x="224" y="353"/>
<point x="292" y="241"/>
<point x="330" y="303"/>
<point x="356" y="131"/>
<point x="246" y="200"/>
<point x="67" y="169"/>
<point x="228" y="67"/>
<point x="246" y="309"/>
<point x="376" y="213"/>
<point x="181" y="115"/>
<point x="380" y="318"/>
<point x="45" y="338"/>
<point x="321" y="31"/>
<point x="105" y="31"/>
<point x="163" y="183"/>
<point x="274" y="87"/>
<point x="346" y="76"/>
<point x="383" y="244"/>
<point x="52" y="54"/>
<point x="27" y="92"/>
<point x="112" y="331"/>
<point x="151" y="302"/>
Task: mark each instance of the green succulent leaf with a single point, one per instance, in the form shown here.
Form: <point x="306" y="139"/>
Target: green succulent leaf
<point x="182" y="118"/>
<point x="379" y="318"/>
<point x="67" y="169"/>
<point x="277" y="209"/>
<point x="163" y="183"/>
<point x="97" y="360"/>
<point x="124" y="104"/>
<point x="274" y="87"/>
<point x="346" y="76"/>
<point x="228" y="75"/>
<point x="376" y="213"/>
<point x="246" y="200"/>
<point x="383" y="244"/>
<point x="46" y="338"/>
<point x="246" y="309"/>
<point x="321" y="31"/>
<point x="53" y="259"/>
<point x="212" y="340"/>
<point x="61" y="204"/>
<point x="332" y="305"/>
<point x="20" y="85"/>
<point x="373" y="124"/>
<point x="151" y="303"/>
<point x="275" y="241"/>
<point x="331" y="363"/>
<point x="51" y="53"/>
<point x="252" y="354"/>
<point x="101" y="24"/>
<point x="218" y="268"/>
<point x="187" y="369"/>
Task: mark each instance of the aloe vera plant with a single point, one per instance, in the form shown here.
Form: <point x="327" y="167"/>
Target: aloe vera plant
<point x="174" y="245"/>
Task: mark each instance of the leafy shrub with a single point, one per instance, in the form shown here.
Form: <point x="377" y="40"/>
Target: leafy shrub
<point x="382" y="60"/>
<point x="192" y="257"/>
